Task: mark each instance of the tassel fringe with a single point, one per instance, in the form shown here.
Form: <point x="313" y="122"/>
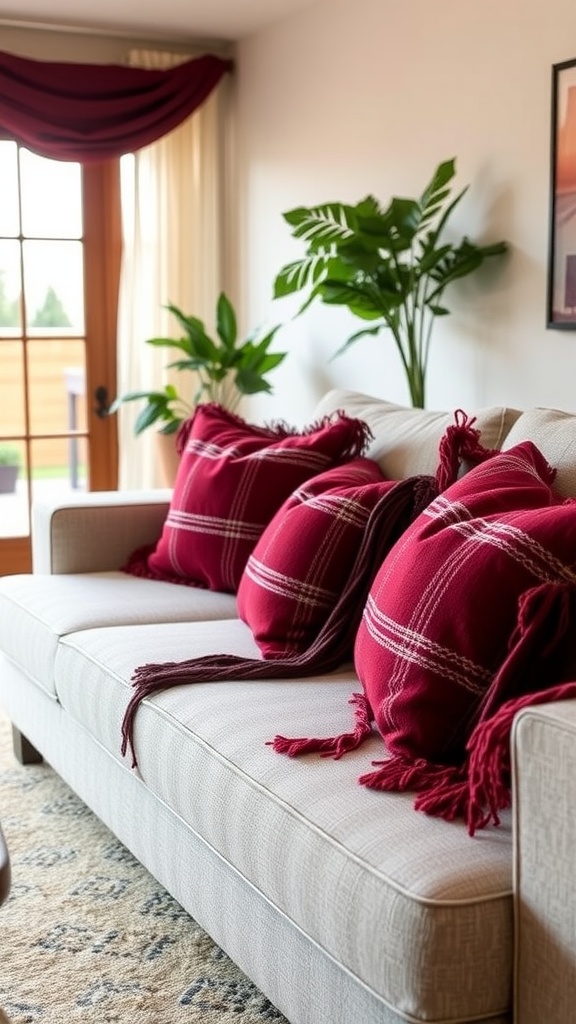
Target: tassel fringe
<point x="331" y="746"/>
<point x="538" y="647"/>
<point x="278" y="430"/>
<point x="489" y="765"/>
<point x="398" y="773"/>
<point x="459" y="445"/>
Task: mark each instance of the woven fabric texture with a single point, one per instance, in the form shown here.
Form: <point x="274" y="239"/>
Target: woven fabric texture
<point x="336" y="859"/>
<point x="300" y="566"/>
<point x="232" y="478"/>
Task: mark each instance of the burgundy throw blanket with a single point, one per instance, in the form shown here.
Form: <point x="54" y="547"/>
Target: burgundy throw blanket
<point x="333" y="644"/>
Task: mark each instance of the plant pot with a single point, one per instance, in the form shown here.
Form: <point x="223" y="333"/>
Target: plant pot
<point x="169" y="458"/>
<point x="8" y="478"/>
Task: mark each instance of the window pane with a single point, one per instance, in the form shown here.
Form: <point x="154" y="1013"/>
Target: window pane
<point x="56" y="386"/>
<point x="14" y="516"/>
<point x="51" y="197"/>
<point x="9" y="212"/>
<point x="54" y="282"/>
<point x="12" y="419"/>
<point x="10" y="288"/>
<point x="58" y="465"/>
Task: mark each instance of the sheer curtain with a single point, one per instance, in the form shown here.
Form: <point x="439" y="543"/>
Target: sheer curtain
<point x="173" y="214"/>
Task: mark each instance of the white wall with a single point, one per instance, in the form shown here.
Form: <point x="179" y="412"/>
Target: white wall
<point x="344" y="99"/>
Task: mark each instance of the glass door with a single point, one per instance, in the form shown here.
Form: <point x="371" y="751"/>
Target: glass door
<point x="50" y="398"/>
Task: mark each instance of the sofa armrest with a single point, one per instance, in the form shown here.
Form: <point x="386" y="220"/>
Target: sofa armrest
<point x="95" y="531"/>
<point x="544" y="802"/>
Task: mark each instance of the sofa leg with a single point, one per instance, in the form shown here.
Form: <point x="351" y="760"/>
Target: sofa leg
<point x="24" y="751"/>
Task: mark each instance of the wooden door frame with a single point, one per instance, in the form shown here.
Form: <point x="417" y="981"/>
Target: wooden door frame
<point x="103" y="226"/>
<point x="102" y="235"/>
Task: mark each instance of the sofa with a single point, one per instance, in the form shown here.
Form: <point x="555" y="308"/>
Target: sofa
<point x="342" y="903"/>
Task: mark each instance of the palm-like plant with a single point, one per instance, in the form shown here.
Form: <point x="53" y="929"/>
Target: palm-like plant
<point x="226" y="368"/>
<point x="388" y="265"/>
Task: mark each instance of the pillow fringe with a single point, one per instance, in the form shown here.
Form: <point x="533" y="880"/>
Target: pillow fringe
<point x="545" y="615"/>
<point x="489" y="767"/>
<point x="399" y="772"/>
<point x="272" y="431"/>
<point x="448" y="799"/>
<point x="333" y="644"/>
<point x="137" y="565"/>
<point x="460" y="444"/>
<point x="331" y="746"/>
<point x="481" y="787"/>
<point x="540" y="644"/>
<point x="361" y="434"/>
<point x="279" y="429"/>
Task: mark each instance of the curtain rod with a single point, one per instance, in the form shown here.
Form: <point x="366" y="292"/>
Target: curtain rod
<point x="134" y="36"/>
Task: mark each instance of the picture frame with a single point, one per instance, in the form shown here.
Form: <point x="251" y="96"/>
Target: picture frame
<point x="561" y="285"/>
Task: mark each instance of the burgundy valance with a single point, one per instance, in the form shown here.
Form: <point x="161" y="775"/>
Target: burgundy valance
<point x="89" y="112"/>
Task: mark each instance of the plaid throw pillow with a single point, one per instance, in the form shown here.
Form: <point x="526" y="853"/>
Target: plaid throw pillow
<point x="469" y="609"/>
<point x="299" y="567"/>
<point x="232" y="478"/>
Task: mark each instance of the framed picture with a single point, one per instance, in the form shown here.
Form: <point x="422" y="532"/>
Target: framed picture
<point x="561" y="293"/>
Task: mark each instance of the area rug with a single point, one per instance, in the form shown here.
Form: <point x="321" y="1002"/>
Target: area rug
<point x="87" y="934"/>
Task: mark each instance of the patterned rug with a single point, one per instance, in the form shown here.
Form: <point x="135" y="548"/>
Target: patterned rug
<point x="88" y="935"/>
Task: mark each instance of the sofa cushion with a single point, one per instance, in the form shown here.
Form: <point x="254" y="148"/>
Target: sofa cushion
<point x="335" y="859"/>
<point x="405" y="439"/>
<point x="300" y="566"/>
<point x="452" y="605"/>
<point x="554" y="433"/>
<point x="36" y="610"/>
<point x="233" y="476"/>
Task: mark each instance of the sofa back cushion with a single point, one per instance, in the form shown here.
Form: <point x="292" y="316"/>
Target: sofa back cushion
<point x="405" y="439"/>
<point x="554" y="433"/>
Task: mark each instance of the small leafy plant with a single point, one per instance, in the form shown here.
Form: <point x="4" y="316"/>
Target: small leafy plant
<point x="388" y="266"/>
<point x="226" y="368"/>
<point x="9" y="455"/>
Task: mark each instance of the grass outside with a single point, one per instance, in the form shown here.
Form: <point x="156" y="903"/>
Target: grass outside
<point x="56" y="472"/>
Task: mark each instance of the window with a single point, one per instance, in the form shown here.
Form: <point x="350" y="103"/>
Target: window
<point x="52" y="251"/>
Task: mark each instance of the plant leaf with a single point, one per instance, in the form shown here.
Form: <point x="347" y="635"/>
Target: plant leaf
<point x="366" y="331"/>
<point x="322" y="225"/>
<point x="250" y="382"/>
<point x="226" y="321"/>
<point x="296" y="276"/>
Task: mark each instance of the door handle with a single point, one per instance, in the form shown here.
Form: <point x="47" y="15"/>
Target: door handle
<point x="101" y="399"/>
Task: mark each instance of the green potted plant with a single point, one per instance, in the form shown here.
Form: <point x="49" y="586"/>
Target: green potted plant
<point x="225" y="366"/>
<point x="9" y="468"/>
<point x="388" y="266"/>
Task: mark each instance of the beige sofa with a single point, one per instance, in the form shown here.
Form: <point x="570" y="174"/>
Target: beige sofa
<point x="344" y="905"/>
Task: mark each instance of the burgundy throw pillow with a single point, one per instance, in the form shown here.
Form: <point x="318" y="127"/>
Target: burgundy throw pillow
<point x="232" y="478"/>
<point x="445" y="609"/>
<point x="300" y="566"/>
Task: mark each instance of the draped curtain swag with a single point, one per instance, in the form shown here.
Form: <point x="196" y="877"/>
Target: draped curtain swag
<point x="90" y="112"/>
